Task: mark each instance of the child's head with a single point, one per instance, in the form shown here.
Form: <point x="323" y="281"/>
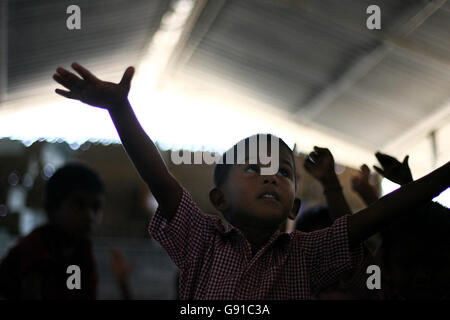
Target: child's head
<point x="245" y="194"/>
<point x="416" y="253"/>
<point x="74" y="199"/>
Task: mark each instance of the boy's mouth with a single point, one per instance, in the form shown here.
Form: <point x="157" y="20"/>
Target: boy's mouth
<point x="269" y="195"/>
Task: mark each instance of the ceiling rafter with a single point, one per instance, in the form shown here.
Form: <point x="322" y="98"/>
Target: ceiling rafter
<point x="363" y="65"/>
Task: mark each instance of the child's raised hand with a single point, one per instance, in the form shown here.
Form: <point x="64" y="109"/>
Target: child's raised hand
<point x="120" y="267"/>
<point x="360" y="183"/>
<point x="393" y="169"/>
<point x="91" y="90"/>
<point x="320" y="164"/>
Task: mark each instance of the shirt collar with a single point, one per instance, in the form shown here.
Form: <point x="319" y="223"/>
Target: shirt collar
<point x="226" y="229"/>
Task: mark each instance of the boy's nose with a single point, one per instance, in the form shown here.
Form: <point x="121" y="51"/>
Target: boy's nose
<point x="270" y="179"/>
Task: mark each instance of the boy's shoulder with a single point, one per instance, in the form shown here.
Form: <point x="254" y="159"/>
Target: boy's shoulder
<point x="187" y="211"/>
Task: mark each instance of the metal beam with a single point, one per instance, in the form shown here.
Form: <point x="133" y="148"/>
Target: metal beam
<point x="363" y="65"/>
<point x="434" y="122"/>
<point x="3" y="51"/>
<point x="399" y="43"/>
<point x="186" y="45"/>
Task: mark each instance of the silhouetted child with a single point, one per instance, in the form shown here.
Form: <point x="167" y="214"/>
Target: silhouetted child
<point x="36" y="268"/>
<point x="352" y="285"/>
<point x="247" y="257"/>
<point x="415" y="250"/>
<point x="416" y="254"/>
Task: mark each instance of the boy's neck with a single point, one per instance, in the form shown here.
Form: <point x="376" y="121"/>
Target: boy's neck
<point x="256" y="236"/>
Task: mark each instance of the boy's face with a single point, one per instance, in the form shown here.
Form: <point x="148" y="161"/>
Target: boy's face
<point x="79" y="213"/>
<point x="260" y="200"/>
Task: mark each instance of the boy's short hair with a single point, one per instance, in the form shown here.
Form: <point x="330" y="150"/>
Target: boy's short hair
<point x="222" y="170"/>
<point x="71" y="177"/>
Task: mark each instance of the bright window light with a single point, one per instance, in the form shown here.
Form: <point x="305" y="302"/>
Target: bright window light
<point x="388" y="186"/>
<point x="444" y="198"/>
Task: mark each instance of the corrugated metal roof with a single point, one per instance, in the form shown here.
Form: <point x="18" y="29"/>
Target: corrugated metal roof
<point x="113" y="35"/>
<point x="313" y="59"/>
<point x="292" y="53"/>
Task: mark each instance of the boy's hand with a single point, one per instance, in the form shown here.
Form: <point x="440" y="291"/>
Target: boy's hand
<point x="360" y="183"/>
<point x="393" y="169"/>
<point x="120" y="267"/>
<point x="320" y="164"/>
<point x="362" y="186"/>
<point x="91" y="90"/>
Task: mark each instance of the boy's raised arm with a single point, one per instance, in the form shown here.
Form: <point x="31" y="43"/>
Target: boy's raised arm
<point x="367" y="222"/>
<point x="362" y="186"/>
<point x="320" y="164"/>
<point x="139" y="147"/>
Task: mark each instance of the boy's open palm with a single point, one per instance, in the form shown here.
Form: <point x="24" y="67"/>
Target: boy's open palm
<point x="393" y="169"/>
<point x="91" y="90"/>
<point x="138" y="145"/>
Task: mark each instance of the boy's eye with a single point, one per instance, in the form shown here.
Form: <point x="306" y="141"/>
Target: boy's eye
<point x="252" y="168"/>
<point x="284" y="172"/>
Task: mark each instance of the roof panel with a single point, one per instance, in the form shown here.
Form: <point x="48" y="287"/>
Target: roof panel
<point x="39" y="40"/>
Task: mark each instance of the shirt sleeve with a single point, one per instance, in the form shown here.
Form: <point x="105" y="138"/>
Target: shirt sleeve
<point x="328" y="255"/>
<point x="186" y="234"/>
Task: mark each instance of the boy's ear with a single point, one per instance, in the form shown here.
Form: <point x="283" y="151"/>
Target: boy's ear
<point x="295" y="208"/>
<point x="217" y="198"/>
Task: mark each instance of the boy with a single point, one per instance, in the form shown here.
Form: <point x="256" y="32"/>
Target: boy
<point x="352" y="285"/>
<point x="415" y="267"/>
<point x="36" y="268"/>
<point x="248" y="258"/>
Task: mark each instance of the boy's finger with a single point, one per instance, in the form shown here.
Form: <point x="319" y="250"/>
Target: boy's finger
<point x="380" y="157"/>
<point x="61" y="71"/>
<point x="62" y="81"/>
<point x="321" y="150"/>
<point x="67" y="94"/>
<point x="83" y="72"/>
<point x="385" y="159"/>
<point x="126" y="78"/>
<point x="314" y="157"/>
<point x="69" y="78"/>
<point x="379" y="170"/>
<point x="405" y="161"/>
<point x="365" y="169"/>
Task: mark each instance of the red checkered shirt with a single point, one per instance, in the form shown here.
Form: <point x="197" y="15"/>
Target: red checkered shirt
<point x="216" y="262"/>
